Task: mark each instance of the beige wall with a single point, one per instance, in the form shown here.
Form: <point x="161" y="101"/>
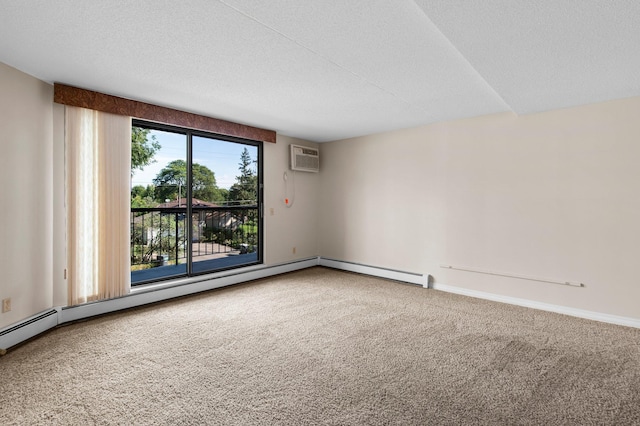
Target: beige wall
<point x="26" y="173"/>
<point x="552" y="195"/>
<point x="295" y="226"/>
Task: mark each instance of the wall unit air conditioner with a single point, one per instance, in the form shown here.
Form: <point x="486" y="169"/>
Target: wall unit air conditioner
<point x="305" y="159"/>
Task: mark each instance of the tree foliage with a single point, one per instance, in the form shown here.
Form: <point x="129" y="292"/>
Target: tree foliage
<point x="171" y="181"/>
<point x="204" y="185"/>
<point x="245" y="190"/>
<point x="142" y="197"/>
<point x="143" y="148"/>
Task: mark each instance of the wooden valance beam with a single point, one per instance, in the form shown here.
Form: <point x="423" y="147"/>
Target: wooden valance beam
<point x="74" y="96"/>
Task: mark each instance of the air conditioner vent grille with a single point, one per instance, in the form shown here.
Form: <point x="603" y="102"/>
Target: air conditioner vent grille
<point x="305" y="159"/>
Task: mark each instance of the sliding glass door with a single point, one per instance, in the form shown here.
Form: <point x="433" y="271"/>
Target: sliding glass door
<point x="195" y="203"/>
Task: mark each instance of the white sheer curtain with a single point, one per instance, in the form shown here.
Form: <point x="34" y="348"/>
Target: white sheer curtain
<point x="98" y="167"/>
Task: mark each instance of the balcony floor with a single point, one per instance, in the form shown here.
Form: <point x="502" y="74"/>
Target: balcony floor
<point x="199" y="266"/>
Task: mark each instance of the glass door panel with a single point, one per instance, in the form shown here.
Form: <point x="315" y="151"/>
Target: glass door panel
<point x="158" y="204"/>
<point x="225" y="204"/>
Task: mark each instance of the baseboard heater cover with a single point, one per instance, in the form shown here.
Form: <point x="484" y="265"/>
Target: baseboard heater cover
<point x="183" y="287"/>
<point x="376" y="271"/>
<point x="28" y="328"/>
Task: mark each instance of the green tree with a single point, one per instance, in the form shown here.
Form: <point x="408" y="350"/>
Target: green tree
<point x="171" y="181"/>
<point x="245" y="190"/>
<point x="223" y="195"/>
<point x="204" y="185"/>
<point x="142" y="197"/>
<point x="143" y="148"/>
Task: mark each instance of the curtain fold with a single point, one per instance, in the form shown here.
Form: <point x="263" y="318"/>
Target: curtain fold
<point x="98" y="173"/>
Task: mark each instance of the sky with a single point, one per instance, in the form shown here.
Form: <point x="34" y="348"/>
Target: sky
<point x="222" y="157"/>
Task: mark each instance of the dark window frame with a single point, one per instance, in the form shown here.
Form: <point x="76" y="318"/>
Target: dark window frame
<point x="189" y="134"/>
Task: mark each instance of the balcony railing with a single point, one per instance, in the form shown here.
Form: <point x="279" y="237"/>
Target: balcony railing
<point x="159" y="235"/>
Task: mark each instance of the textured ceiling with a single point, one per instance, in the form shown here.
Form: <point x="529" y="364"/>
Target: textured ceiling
<point x="546" y="54"/>
<point x="332" y="69"/>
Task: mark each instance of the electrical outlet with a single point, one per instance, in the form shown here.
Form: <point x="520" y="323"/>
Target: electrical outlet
<point x="272" y="211"/>
<point x="6" y="305"/>
<point x="294" y="250"/>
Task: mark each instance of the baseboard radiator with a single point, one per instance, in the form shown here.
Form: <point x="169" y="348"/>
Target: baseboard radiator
<point x="28" y="328"/>
<point x="181" y="287"/>
<point x="376" y="271"/>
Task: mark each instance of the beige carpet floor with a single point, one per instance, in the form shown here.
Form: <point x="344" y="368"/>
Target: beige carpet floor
<point x="324" y="347"/>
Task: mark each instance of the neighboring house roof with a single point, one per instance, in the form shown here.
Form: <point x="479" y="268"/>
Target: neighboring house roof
<point x="183" y="202"/>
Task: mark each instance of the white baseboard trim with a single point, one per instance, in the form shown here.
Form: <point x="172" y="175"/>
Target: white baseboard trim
<point x="182" y="287"/>
<point x="28" y="328"/>
<point x="392" y="274"/>
<point x="580" y="313"/>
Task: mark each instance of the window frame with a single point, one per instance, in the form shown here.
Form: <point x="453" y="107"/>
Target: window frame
<point x="189" y="134"/>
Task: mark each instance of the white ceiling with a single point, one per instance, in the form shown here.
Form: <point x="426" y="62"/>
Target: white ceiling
<point x="332" y="69"/>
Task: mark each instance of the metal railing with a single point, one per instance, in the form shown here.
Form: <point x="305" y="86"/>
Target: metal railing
<point x="159" y="235"/>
